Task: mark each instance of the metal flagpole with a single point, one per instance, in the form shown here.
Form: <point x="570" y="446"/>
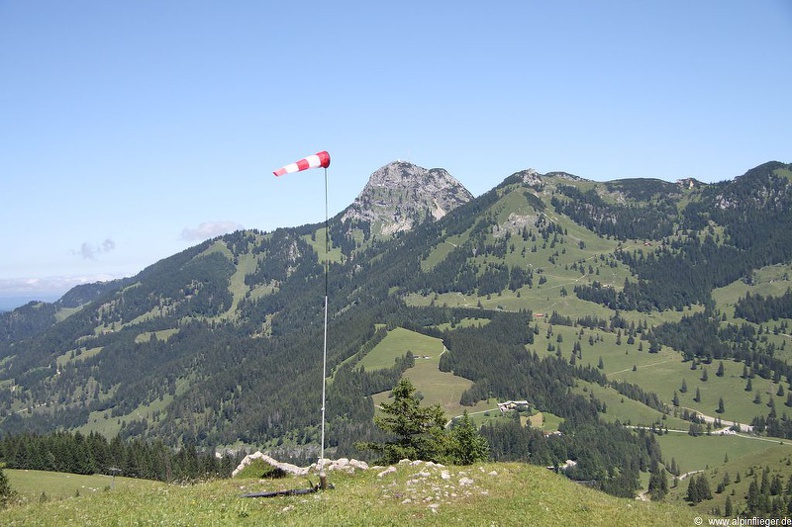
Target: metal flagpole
<point x="322" y="475"/>
<point x="320" y="159"/>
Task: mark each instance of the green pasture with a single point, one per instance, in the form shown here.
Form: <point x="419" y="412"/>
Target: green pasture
<point x="553" y="262"/>
<point x="65" y="312"/>
<point x="78" y="354"/>
<point x="616" y="358"/>
<point x="710" y="451"/>
<point x="317" y="242"/>
<point x="484" y="494"/>
<point x="663" y="372"/>
<point x="627" y="411"/>
<point x="246" y="264"/>
<point x="434" y="386"/>
<point x="102" y="422"/>
<point x="396" y="344"/>
<point x="35" y="486"/>
<point x="773" y="280"/>
<point x="161" y="335"/>
<point x="464" y="323"/>
<point x="545" y="421"/>
<point x="777" y="458"/>
<point x="666" y="378"/>
<point x="746" y="458"/>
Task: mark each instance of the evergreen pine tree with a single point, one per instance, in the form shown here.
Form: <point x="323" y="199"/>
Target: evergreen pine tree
<point x="419" y="431"/>
<point x="467" y="445"/>
<point x="704" y="489"/>
<point x="692" y="491"/>
<point x="658" y="482"/>
<point x="776" y="486"/>
<point x="6" y="493"/>
<point x="753" y="499"/>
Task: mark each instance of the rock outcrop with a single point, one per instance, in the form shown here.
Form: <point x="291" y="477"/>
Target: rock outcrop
<point x="401" y="195"/>
<point x="343" y="464"/>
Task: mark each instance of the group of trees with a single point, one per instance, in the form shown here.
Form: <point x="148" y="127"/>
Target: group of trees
<point x="758" y="309"/>
<point x="417" y="432"/>
<point x="685" y="268"/>
<point x="698" y="489"/>
<point x="646" y="221"/>
<point x="93" y="453"/>
<point x="608" y="456"/>
<point x="701" y="336"/>
<point x="768" y="496"/>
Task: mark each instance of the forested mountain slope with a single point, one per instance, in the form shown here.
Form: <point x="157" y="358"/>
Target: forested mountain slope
<point x="222" y="342"/>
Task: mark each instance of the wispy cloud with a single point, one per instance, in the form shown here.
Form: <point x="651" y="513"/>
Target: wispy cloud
<point x="47" y="286"/>
<point x="90" y="251"/>
<point x="209" y="229"/>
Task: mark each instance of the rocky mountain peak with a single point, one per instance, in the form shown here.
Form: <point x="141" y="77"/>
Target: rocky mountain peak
<point x="400" y="195"/>
<point x="689" y="183"/>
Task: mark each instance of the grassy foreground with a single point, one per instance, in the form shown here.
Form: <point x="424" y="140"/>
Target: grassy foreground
<point x="490" y="494"/>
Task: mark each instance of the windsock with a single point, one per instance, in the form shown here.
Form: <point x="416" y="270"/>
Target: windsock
<point x="321" y="159"/>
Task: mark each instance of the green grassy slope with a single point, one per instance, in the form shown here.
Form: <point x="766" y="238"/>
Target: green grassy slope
<point x="488" y="494"/>
<point x="772" y="455"/>
<point x="435" y="386"/>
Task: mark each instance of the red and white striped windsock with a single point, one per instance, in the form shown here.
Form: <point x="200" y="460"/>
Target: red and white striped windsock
<point x="321" y="159"/>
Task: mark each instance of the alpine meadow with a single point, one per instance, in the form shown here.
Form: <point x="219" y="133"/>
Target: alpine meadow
<point x="597" y="345"/>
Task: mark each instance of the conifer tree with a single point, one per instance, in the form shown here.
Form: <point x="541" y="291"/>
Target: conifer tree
<point x="467" y="445"/>
<point x="419" y="432"/>
<point x="658" y="482"/>
<point x="6" y="493"/>
<point x="693" y="491"/>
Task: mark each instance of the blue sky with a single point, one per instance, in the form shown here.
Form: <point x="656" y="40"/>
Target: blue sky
<point x="132" y="130"/>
